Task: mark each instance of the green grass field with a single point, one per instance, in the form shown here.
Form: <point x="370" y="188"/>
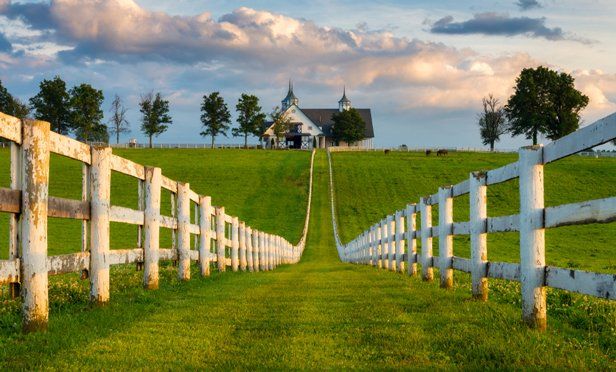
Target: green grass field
<point x="318" y="314"/>
<point x="372" y="185"/>
<point x="249" y="184"/>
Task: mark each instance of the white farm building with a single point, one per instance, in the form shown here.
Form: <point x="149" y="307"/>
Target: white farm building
<point x="313" y="126"/>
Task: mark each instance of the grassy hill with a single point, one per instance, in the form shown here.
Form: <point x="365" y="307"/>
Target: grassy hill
<point x="318" y="314"/>
<point x="258" y="186"/>
<point x="371" y="185"/>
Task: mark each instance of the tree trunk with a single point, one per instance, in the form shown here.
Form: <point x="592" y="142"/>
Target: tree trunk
<point x="245" y="140"/>
<point x="150" y="141"/>
<point x="213" y="137"/>
<point x="492" y="146"/>
<point x="118" y="137"/>
<point x="534" y="137"/>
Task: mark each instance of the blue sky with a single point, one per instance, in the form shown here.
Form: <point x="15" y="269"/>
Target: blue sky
<point x="421" y="66"/>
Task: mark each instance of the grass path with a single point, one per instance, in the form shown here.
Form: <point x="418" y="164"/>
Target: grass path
<point x="317" y="314"/>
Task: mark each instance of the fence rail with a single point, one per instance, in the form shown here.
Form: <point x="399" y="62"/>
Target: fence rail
<point x="392" y="242"/>
<point x="222" y="239"/>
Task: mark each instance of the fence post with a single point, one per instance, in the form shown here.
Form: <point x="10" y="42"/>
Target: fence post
<point x="532" y="237"/>
<point x="220" y="239"/>
<point x="380" y="233"/>
<point x="262" y="251"/>
<point x="256" y="266"/>
<point x="384" y="262"/>
<point x="235" y="243"/>
<point x="242" y="248"/>
<point x="426" y="239"/>
<point x="183" y="214"/>
<point x="399" y="241"/>
<point x="478" y="227"/>
<point x="391" y="250"/>
<point x="270" y="252"/>
<point x="100" y="192"/>
<point x="14" y="234"/>
<point x="35" y="192"/>
<point x="151" y="227"/>
<point x="205" y="234"/>
<point x="411" y="229"/>
<point x="445" y="241"/>
<point x="249" y="248"/>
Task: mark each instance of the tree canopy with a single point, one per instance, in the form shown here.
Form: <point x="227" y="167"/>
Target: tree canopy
<point x="348" y="126"/>
<point x="86" y="114"/>
<point x="52" y="104"/>
<point x="155" y="117"/>
<point x="281" y="123"/>
<point x="250" y="118"/>
<point x="11" y="105"/>
<point x="546" y="102"/>
<point x="215" y="116"/>
<point x="492" y="121"/>
<point x="118" y="123"/>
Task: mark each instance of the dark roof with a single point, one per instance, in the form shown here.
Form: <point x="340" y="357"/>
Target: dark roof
<point x="323" y="118"/>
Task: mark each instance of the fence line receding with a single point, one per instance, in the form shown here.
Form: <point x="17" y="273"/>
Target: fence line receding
<point x="223" y="239"/>
<point x="392" y="242"/>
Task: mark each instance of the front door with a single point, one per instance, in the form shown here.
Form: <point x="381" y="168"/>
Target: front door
<point x="297" y="142"/>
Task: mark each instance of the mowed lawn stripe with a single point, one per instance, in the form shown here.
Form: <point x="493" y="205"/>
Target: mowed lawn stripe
<point x="318" y="314"/>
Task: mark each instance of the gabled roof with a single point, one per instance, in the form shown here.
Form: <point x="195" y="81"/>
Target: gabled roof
<point x="323" y="118"/>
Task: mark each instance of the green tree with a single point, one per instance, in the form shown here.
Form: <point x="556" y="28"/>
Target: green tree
<point x="546" y="102"/>
<point x="155" y="117"/>
<point x="118" y="123"/>
<point x="492" y="121"/>
<point x="52" y="104"/>
<point x="281" y="124"/>
<point x="250" y="118"/>
<point x="86" y="114"/>
<point x="215" y="116"/>
<point x="567" y="102"/>
<point x="348" y="126"/>
<point x="11" y="105"/>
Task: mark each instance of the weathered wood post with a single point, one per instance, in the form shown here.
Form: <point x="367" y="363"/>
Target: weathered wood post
<point x="183" y="214"/>
<point x="532" y="237"/>
<point x="205" y="234"/>
<point x="33" y="238"/>
<point x="270" y="252"/>
<point x="85" y="194"/>
<point x="16" y="179"/>
<point x="399" y="241"/>
<point x="375" y="246"/>
<point x="100" y="192"/>
<point x="478" y="227"/>
<point x="249" y="248"/>
<point x="262" y="251"/>
<point x="220" y="239"/>
<point x="151" y="227"/>
<point x="426" y="239"/>
<point x="445" y="240"/>
<point x="380" y="249"/>
<point x="235" y="243"/>
<point x="411" y="229"/>
<point x="242" y="248"/>
<point x="256" y="248"/>
<point x="391" y="243"/>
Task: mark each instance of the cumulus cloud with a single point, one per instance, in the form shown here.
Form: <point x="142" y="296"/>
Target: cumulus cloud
<point x="528" y="4"/>
<point x="491" y="23"/>
<point x="248" y="49"/>
<point x="5" y="45"/>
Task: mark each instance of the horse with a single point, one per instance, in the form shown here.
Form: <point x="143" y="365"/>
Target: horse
<point x="442" y="152"/>
<point x="428" y="152"/>
<point x="386" y="151"/>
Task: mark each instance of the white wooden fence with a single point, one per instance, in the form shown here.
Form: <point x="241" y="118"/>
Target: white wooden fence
<point x="223" y="239"/>
<point x="392" y="242"/>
